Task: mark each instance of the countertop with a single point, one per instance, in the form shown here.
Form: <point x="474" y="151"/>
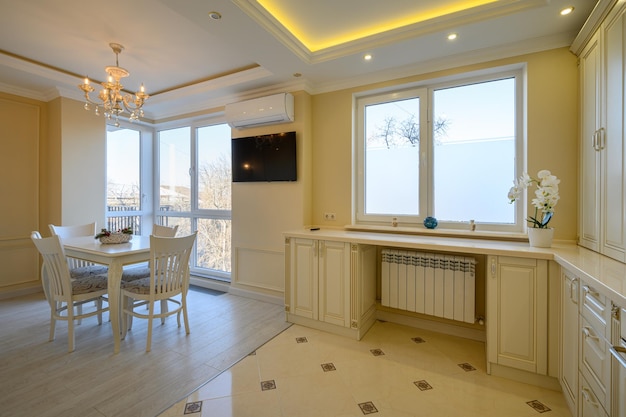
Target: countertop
<point x="606" y="275"/>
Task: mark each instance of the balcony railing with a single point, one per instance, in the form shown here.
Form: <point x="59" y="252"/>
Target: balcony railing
<point x="121" y="221"/>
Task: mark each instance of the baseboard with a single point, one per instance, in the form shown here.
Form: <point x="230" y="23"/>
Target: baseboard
<point x="273" y="299"/>
<point x="210" y="284"/>
<point x="20" y="292"/>
<point x="525" y="377"/>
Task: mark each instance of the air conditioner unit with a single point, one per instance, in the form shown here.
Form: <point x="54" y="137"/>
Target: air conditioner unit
<point x="277" y="108"/>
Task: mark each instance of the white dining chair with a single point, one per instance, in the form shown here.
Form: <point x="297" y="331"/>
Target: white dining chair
<point x="168" y="281"/>
<point x="65" y="295"/>
<point x="78" y="267"/>
<point x="138" y="272"/>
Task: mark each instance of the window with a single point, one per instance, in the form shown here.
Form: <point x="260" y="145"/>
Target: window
<point x="448" y="150"/>
<point x="124" y="190"/>
<point x="195" y="192"/>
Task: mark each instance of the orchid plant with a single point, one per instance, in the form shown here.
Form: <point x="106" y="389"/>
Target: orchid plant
<point x="546" y="196"/>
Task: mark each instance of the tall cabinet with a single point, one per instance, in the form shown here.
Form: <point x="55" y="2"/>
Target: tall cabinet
<point x="602" y="224"/>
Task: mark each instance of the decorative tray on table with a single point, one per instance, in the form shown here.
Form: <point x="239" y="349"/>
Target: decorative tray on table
<point x="121" y="236"/>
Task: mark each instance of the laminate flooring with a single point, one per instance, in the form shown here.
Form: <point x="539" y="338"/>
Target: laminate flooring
<point x="41" y="378"/>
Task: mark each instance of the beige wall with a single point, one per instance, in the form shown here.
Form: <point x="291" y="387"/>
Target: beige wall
<point x="20" y="137"/>
<point x="552" y="135"/>
<point x="83" y="169"/>
<point x="262" y="211"/>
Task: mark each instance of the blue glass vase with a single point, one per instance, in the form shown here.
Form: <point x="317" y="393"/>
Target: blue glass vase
<point x="430" y="222"/>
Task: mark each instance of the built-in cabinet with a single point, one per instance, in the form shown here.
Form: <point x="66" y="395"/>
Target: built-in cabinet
<point x="517" y="313"/>
<point x="568" y="358"/>
<point x="587" y="328"/>
<point x="332" y="285"/>
<point x="602" y="224"/>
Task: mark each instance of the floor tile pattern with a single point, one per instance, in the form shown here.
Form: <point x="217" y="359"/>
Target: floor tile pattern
<point x="387" y="374"/>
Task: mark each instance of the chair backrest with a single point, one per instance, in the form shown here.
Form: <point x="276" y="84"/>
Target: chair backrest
<point x="169" y="257"/>
<point x="55" y="272"/>
<point x="74" y="231"/>
<point x="164" y="231"/>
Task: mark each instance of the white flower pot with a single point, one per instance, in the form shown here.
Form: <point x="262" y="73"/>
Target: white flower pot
<point x="540" y="238"/>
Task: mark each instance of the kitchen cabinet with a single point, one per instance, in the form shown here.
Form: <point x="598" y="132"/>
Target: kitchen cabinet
<point x="568" y="358"/>
<point x="517" y="313"/>
<point x="602" y="225"/>
<point x="332" y="285"/>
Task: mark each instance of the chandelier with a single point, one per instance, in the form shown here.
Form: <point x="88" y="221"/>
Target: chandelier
<point x="113" y="100"/>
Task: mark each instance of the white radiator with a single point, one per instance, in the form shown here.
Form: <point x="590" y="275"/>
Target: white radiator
<point x="429" y="283"/>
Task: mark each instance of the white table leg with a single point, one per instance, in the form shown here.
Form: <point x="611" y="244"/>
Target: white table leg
<point x="115" y="311"/>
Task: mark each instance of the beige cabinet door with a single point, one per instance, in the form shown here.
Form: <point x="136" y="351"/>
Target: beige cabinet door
<point x="303" y="278"/>
<point x="334" y="282"/>
<point x="613" y="148"/>
<point x="568" y="358"/>
<point x="590" y="68"/>
<point x="517" y="310"/>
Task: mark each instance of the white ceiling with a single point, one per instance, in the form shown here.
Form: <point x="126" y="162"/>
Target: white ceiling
<point x="190" y="62"/>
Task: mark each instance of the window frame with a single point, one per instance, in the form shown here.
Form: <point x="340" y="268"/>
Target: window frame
<point x="425" y="90"/>
<point x="145" y="213"/>
<point x="195" y="213"/>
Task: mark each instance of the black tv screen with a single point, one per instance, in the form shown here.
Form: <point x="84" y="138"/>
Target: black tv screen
<point x="264" y="158"/>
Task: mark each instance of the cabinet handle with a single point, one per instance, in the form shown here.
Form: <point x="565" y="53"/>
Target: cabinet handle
<point x="588" y="290"/>
<point x="493" y="268"/>
<point x="601" y="139"/>
<point x="588" y="396"/>
<point x="573" y="290"/>
<point x="594" y="140"/>
<point x="587" y="333"/>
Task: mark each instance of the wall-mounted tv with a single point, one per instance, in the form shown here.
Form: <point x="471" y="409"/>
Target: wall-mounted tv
<point x="264" y="158"/>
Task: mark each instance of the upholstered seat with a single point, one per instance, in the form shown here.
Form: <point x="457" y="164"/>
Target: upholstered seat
<point x="132" y="273"/>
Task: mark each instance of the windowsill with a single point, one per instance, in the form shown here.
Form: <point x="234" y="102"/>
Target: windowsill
<point x="468" y="234"/>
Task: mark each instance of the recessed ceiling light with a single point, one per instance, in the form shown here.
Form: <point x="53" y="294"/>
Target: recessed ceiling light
<point x="367" y="57"/>
<point x="567" y="10"/>
<point x="452" y="36"/>
<point x="215" y="15"/>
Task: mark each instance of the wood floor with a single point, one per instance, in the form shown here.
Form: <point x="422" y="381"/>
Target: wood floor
<point x="40" y="378"/>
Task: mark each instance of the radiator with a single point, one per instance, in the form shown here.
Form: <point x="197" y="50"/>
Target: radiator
<point x="429" y="283"/>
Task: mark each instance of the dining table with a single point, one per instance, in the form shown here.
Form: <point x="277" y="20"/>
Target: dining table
<point x="115" y="256"/>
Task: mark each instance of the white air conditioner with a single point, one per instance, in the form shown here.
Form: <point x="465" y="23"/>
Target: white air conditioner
<point x="277" y="108"/>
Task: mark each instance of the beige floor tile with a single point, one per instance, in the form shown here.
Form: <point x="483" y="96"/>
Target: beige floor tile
<point x="385" y="382"/>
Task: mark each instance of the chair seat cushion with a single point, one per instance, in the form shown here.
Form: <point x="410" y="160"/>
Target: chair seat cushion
<point x="89" y="284"/>
<point x="88" y="271"/>
<point x="138" y="286"/>
<point x="132" y="274"/>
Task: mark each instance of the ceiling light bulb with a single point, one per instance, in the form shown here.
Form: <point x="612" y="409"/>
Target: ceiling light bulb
<point x="567" y="10"/>
<point x="452" y="36"/>
<point x="367" y="57"/>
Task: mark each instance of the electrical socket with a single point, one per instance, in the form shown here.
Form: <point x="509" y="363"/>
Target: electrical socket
<point x="329" y="216"/>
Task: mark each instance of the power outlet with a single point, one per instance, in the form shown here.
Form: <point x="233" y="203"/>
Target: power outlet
<point x="329" y="216"/>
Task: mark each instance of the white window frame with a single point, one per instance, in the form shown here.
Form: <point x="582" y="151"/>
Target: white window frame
<point x="424" y="90"/>
<point x="194" y="213"/>
<point x="146" y="136"/>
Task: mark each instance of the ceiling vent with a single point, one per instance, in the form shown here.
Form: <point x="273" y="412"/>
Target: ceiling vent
<point x="277" y="108"/>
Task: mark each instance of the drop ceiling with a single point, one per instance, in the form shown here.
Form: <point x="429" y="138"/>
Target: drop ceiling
<point x="189" y="61"/>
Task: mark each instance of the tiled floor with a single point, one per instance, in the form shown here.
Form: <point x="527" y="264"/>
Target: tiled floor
<point x="394" y="371"/>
